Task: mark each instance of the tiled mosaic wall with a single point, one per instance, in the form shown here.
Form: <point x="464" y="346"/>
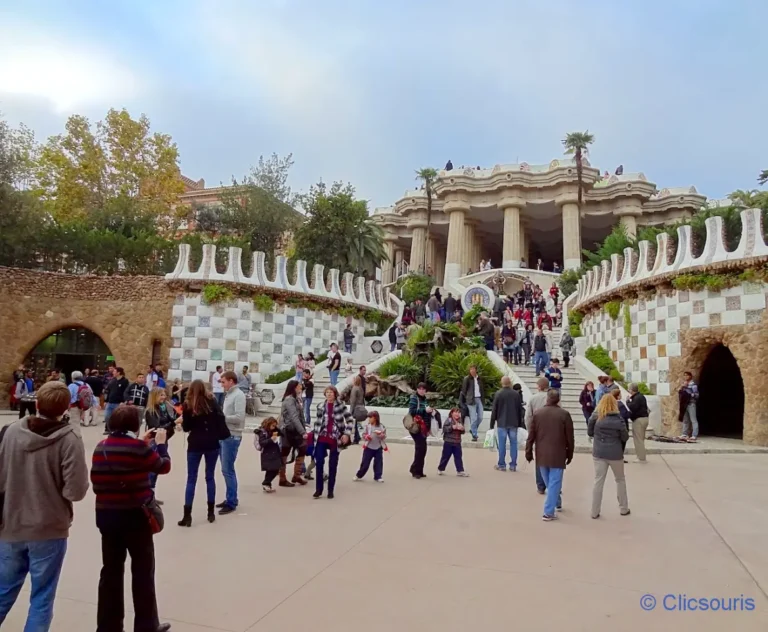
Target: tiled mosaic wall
<point x="657" y="323"/>
<point x="231" y="335"/>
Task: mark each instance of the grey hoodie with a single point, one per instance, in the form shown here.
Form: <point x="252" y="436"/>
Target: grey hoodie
<point x="42" y="472"/>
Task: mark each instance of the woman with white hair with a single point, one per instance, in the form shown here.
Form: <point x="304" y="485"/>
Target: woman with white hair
<point x="80" y="399"/>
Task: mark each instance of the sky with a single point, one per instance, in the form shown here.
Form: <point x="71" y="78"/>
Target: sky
<point x="368" y="92"/>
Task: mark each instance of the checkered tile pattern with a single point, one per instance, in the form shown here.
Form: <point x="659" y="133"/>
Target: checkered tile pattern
<point x="231" y="335"/>
<point x="657" y="323"/>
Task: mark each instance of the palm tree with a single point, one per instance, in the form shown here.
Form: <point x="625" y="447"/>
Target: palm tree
<point x="763" y="177"/>
<point x="577" y="143"/>
<point x="745" y="198"/>
<point x="427" y="175"/>
<point x="367" y="247"/>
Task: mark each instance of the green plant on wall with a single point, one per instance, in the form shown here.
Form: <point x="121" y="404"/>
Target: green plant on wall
<point x="598" y="356"/>
<point x="627" y="321"/>
<point x="214" y="293"/>
<point x="412" y="287"/>
<point x="575" y="319"/>
<point x="404" y="366"/>
<point x="263" y="303"/>
<point x="448" y="370"/>
<point x="612" y="308"/>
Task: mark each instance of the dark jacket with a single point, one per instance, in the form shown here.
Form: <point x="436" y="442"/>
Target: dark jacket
<point x="163" y="417"/>
<point x="485" y="328"/>
<point x="115" y="391"/>
<point x="136" y="394"/>
<point x="610" y="435"/>
<point x="587" y="401"/>
<point x="205" y="431"/>
<point x="393" y="334"/>
<point x="551" y="432"/>
<point x="507" y="408"/>
<point x="638" y="406"/>
<point x="450" y="304"/>
<point x="96" y="384"/>
<point x="468" y="390"/>
<point x="357" y="403"/>
<point x="271" y="458"/>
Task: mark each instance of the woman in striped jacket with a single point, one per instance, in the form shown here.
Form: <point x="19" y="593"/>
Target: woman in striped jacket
<point x="332" y="431"/>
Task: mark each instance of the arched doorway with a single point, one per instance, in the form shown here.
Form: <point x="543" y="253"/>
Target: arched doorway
<point x="70" y="349"/>
<point x="721" y="400"/>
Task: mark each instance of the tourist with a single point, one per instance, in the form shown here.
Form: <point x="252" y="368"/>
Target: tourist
<point x="526" y="342"/>
<point x="137" y="394"/>
<point x="551" y="433"/>
<point x="176" y="391"/>
<point x="393" y="336"/>
<point x="81" y="399"/>
<point x="482" y="265"/>
<point x="419" y="312"/>
<point x="620" y="170"/>
<point x="538" y="400"/>
<point x="159" y="414"/>
<point x="216" y="386"/>
<point x="566" y="344"/>
<point x="472" y="394"/>
<point x="234" y="416"/>
<point x="331" y="431"/>
<point x="638" y="413"/>
<point x="106" y="379"/>
<point x="349" y="369"/>
<point x="309" y="362"/>
<point x="554" y="374"/>
<point x="268" y="443"/>
<point x="508" y="341"/>
<point x="433" y="308"/>
<point x="24" y="396"/>
<point x="294" y="434"/>
<point x="554" y="291"/>
<point x="688" y="395"/>
<point x="452" y="433"/>
<point x="308" y="388"/>
<point x="97" y="388"/>
<point x="610" y="435"/>
<point x="375" y="436"/>
<point x="357" y="405"/>
<point x="244" y="381"/>
<point x="119" y="474"/>
<point x="606" y="385"/>
<point x="334" y="364"/>
<point x="407" y="318"/>
<point x="485" y="328"/>
<point x="449" y="166"/>
<point x="115" y="394"/>
<point x="587" y="400"/>
<point x="555" y="268"/>
<point x="299" y="368"/>
<point x="204" y="421"/>
<point x="42" y="472"/>
<point x="400" y="336"/>
<point x="421" y="411"/>
<point x="541" y="347"/>
<point x="349" y="336"/>
<point x="152" y="378"/>
<point x="507" y="413"/>
<point x="488" y="265"/>
<point x="450" y="307"/>
<point x="539" y="264"/>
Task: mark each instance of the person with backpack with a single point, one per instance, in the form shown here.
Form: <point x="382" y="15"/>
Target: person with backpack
<point x="97" y="386"/>
<point x="137" y="394"/>
<point x="81" y="399"/>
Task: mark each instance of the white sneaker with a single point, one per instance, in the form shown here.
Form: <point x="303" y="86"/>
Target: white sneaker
<point x="379" y="480"/>
<point x="439" y="473"/>
<point x="267" y="489"/>
<point x="462" y="474"/>
<point x="357" y="479"/>
<point x="639" y="461"/>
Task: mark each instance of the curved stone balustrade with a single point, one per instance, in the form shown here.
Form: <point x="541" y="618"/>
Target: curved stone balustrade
<point x="360" y="293"/>
<point x="635" y="266"/>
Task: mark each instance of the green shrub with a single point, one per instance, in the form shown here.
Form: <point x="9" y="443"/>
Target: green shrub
<point x="371" y="333"/>
<point x="575" y="317"/>
<point x="280" y="376"/>
<point x="263" y="303"/>
<point x="627" y="321"/>
<point x="391" y="401"/>
<point x="575" y="330"/>
<point x="214" y="293"/>
<point x="470" y="317"/>
<point x="643" y="389"/>
<point x="612" y="308"/>
<point x="413" y="286"/>
<point x="449" y="369"/>
<point x="600" y="358"/>
<point x="568" y="282"/>
<point x="402" y="365"/>
<point x="419" y="334"/>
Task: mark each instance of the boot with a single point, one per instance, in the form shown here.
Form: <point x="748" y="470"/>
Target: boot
<point x="284" y="482"/>
<point x="186" y="521"/>
<point x="297" y="465"/>
<point x="211" y="514"/>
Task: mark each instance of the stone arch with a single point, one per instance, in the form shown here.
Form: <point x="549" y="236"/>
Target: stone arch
<point x="70" y="348"/>
<point x="721" y="402"/>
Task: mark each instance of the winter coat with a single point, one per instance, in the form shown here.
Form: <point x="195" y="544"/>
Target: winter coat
<point x="610" y="435"/>
<point x="271" y="458"/>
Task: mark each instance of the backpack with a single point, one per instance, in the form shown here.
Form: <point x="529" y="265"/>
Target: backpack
<point x="84" y="397"/>
<point x="410" y="424"/>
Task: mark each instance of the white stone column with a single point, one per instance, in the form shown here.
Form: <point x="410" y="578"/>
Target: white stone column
<point x="454" y="256"/>
<point x="439" y="263"/>
<point x="388" y="267"/>
<point x="512" y="238"/>
<point x="399" y="257"/>
<point x="629" y="222"/>
<point x="524" y="245"/>
<point x="418" y="244"/>
<point x="571" y="236"/>
<point x="469" y="248"/>
<point x="430" y="246"/>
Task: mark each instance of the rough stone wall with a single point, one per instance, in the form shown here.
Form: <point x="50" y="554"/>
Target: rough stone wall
<point x="128" y="313"/>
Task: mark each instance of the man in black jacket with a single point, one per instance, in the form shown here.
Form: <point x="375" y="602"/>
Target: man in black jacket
<point x="450" y="307"/>
<point x="507" y="411"/>
<point x="638" y="413"/>
<point x="115" y="393"/>
<point x="472" y="394"/>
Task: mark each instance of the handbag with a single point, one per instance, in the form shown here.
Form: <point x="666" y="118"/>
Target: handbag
<point x="410" y="424"/>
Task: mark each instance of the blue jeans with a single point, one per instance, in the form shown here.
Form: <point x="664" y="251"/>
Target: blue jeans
<point x="308" y="411"/>
<point x="193" y="465"/>
<point x="229" y="449"/>
<point x="108" y="410"/>
<point x="375" y="455"/>
<point x="348" y="347"/>
<point x="433" y="316"/>
<point x="43" y="560"/>
<point x="332" y="452"/>
<point x="501" y="435"/>
<point x="451" y="450"/>
<point x="333" y="376"/>
<point x="690" y="421"/>
<point x="553" y="479"/>
<point x="540" y="361"/>
<point x="219" y="397"/>
<point x="475" y="416"/>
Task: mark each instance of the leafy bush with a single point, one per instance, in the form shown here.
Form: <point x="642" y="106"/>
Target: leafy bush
<point x="643" y="389"/>
<point x="612" y="308"/>
<point x="627" y="321"/>
<point x="470" y="318"/>
<point x="575" y="330"/>
<point x="214" y="293"/>
<point x="448" y="370"/>
<point x="280" y="376"/>
<point x="404" y="366"/>
<point x="263" y="303"/>
<point x="568" y="282"/>
<point x="371" y="333"/>
<point x="391" y="401"/>
<point x="575" y="317"/>
<point x="599" y="357"/>
<point x="413" y="286"/>
<point x="422" y="333"/>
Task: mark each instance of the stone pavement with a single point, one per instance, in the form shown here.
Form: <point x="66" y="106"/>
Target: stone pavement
<point x="446" y="553"/>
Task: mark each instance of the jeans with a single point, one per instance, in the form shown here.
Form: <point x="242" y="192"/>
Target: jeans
<point x="348" y="347"/>
<point x="433" y="316"/>
<point x="108" y="410"/>
<point x="229" y="448"/>
<point x="43" y="560"/>
<point x="419" y="454"/>
<point x="451" y="450"/>
<point x="475" y="416"/>
<point x="553" y="478"/>
<point x="132" y="536"/>
<point x="392" y="346"/>
<point x="375" y="455"/>
<point x="501" y="435"/>
<point x="527" y="350"/>
<point x="322" y="450"/>
<point x="308" y="411"/>
<point x="541" y="361"/>
<point x="541" y="485"/>
<point x="219" y="397"/>
<point x="333" y="376"/>
<point x="690" y="421"/>
<point x="517" y="354"/>
<point x="490" y="343"/>
<point x="193" y="465"/>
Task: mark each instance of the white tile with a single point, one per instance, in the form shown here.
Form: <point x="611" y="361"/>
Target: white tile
<point x="289" y="329"/>
<point x="177" y="332"/>
<point x="699" y="295"/>
<point x="661" y="338"/>
<point x="672" y="300"/>
<point x="737" y="290"/>
<point x="642" y="340"/>
<point x="256" y="336"/>
<point x="642" y="316"/>
<point x="174" y="374"/>
<point x="662" y="364"/>
<point x="635" y="353"/>
<point x="699" y="320"/>
<point x="674" y="350"/>
<point x="268" y="328"/>
<point x="205" y="310"/>
<point x="201" y="375"/>
<point x="684" y="309"/>
<point x="255" y="356"/>
<point x="243" y="304"/>
<point x="736" y="317"/>
<point x="231" y="334"/>
<point x="232" y="312"/>
<point x="278" y="338"/>
<point x="218" y="321"/>
<point x="202" y="354"/>
<point x="753" y="301"/>
<point x="662" y="388"/>
<point x="229" y="355"/>
<point x="652" y="327"/>
<point x="673" y="323"/>
<point x="187" y="364"/>
<point x="176" y="353"/>
<point x="653" y="377"/>
<point x="216" y="343"/>
<point x="243" y="345"/>
<point x="714" y="305"/>
<point x="643" y="364"/>
<point x="189" y="343"/>
<point x="179" y="310"/>
<point x="189" y="321"/>
<point x="634" y="330"/>
<point x="653" y="351"/>
<point x="203" y="332"/>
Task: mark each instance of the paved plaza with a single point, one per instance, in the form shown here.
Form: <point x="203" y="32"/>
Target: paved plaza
<point x="446" y="553"/>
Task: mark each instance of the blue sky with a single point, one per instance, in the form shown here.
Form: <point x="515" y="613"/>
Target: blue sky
<point x="367" y="92"/>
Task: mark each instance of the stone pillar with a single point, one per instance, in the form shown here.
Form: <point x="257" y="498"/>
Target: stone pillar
<point x="468" y="262"/>
<point x="629" y="222"/>
<point x="388" y="267"/>
<point x="399" y="257"/>
<point x="454" y="256"/>
<point x="431" y="254"/>
<point x="512" y="238"/>
<point x="439" y="264"/>
<point x="571" y="236"/>
<point x="418" y="244"/>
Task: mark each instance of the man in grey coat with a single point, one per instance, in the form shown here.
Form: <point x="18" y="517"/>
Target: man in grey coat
<point x="538" y="401"/>
<point x="507" y="411"/>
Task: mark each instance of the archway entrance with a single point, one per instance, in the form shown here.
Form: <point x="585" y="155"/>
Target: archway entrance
<point x="71" y="349"/>
<point x="721" y="401"/>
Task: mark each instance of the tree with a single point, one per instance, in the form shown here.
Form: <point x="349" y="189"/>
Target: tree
<point x="746" y="198"/>
<point x="427" y="175"/>
<point x="367" y="248"/>
<point x="763" y="177"/>
<point x="271" y="175"/>
<point x="577" y="143"/>
<point x="612" y="244"/>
